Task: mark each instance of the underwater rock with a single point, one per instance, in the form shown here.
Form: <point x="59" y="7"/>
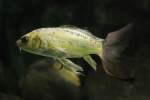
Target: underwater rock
<point x="1" y="74"/>
<point x="142" y="5"/>
<point x="119" y="52"/>
<point x="4" y="96"/>
<point x="126" y="54"/>
<point x="100" y="86"/>
<point x="127" y="49"/>
<point x="8" y="82"/>
<point x="45" y="81"/>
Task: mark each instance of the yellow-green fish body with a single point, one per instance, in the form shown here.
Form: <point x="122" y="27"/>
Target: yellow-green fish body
<point x="62" y="43"/>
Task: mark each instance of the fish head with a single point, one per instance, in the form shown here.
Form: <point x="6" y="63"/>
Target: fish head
<point x="30" y="42"/>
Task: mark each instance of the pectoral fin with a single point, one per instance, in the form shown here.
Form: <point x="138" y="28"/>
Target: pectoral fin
<point x="90" y="61"/>
<point x="71" y="66"/>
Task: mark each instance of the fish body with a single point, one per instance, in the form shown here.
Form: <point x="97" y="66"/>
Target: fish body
<point x="53" y="68"/>
<point x="61" y="43"/>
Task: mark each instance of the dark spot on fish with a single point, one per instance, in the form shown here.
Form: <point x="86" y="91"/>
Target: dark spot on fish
<point x="71" y="32"/>
<point x="70" y="43"/>
<point x="40" y="43"/>
<point x="78" y="34"/>
<point x="66" y="30"/>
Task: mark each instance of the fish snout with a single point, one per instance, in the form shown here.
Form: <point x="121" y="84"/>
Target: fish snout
<point x="18" y="42"/>
<point x="23" y="40"/>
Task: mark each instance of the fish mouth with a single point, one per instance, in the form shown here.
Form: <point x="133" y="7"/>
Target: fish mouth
<point x="19" y="42"/>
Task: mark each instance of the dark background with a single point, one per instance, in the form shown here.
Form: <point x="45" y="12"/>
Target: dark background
<point x="17" y="17"/>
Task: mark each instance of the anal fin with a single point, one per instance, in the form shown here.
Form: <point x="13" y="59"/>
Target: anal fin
<point x="90" y="61"/>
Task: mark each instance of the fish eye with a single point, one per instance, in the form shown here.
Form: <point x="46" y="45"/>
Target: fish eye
<point x="25" y="39"/>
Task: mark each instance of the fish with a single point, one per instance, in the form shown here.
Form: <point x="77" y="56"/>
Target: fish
<point x="67" y="75"/>
<point x="53" y="68"/>
<point x="62" y="43"/>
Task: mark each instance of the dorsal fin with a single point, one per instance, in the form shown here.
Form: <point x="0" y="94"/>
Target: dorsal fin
<point x="68" y="26"/>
